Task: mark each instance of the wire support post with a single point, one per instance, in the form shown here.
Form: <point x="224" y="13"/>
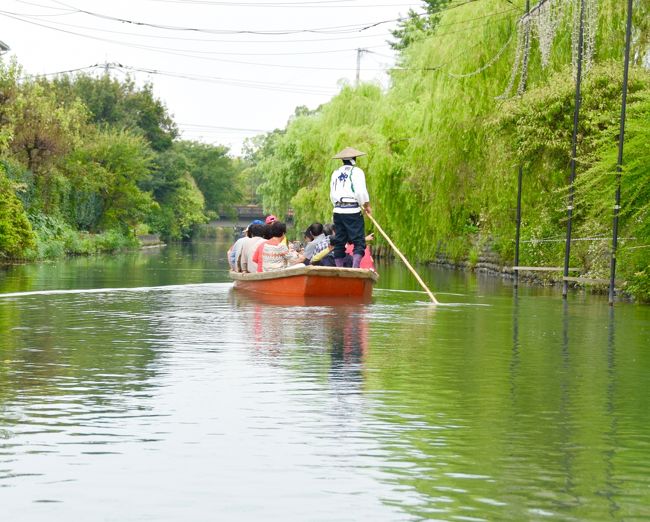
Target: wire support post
<point x="520" y="175"/>
<point x="518" y="219"/>
<point x="619" y="164"/>
<point x="574" y="146"/>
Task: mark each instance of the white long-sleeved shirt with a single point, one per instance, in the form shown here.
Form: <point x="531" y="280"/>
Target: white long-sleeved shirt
<point x="348" y="187"/>
<point x="245" y="261"/>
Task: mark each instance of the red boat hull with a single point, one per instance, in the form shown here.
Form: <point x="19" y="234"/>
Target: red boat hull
<point x="309" y="282"/>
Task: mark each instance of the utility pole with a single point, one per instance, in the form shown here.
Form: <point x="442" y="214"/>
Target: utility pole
<point x="359" y="53"/>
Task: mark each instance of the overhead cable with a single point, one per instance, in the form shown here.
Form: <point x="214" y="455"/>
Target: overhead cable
<point x="207" y="58"/>
<point x="323" y="30"/>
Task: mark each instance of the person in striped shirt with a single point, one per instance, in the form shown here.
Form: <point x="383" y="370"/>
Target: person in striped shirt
<point x="274" y="254"/>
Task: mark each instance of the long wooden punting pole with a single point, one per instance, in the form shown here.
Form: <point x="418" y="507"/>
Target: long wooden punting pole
<point x="619" y="164"/>
<point x="397" y="251"/>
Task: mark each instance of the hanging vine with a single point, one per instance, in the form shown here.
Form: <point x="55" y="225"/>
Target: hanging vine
<point x="547" y="20"/>
<point x="543" y="22"/>
<point x="589" y="30"/>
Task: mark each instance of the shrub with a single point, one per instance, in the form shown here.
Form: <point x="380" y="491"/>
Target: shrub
<point x="16" y="235"/>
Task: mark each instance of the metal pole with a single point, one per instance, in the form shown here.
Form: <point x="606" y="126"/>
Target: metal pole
<point x="518" y="232"/>
<point x="619" y="164"/>
<point x="574" y="146"/>
<point x="519" y="182"/>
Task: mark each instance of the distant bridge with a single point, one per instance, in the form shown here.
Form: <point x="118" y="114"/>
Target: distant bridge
<point x="250" y="212"/>
<point x="244" y="215"/>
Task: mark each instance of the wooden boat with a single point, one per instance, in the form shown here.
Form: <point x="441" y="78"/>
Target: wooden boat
<point x="309" y="282"/>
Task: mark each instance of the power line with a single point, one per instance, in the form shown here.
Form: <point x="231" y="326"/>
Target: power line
<point x="276" y="5"/>
<point x="280" y="5"/>
<point x="322" y="30"/>
<point x="248" y="84"/>
<point x="203" y="40"/>
<point x="211" y="40"/>
<point x="206" y="40"/>
<point x="221" y="60"/>
<point x="184" y="52"/>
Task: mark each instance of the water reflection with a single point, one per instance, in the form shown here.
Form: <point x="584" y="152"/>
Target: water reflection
<point x="348" y="330"/>
<point x="333" y="325"/>
<point x="516" y="347"/>
<point x="611" y="492"/>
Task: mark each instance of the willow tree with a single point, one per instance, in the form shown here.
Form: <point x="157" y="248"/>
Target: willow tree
<point x="441" y="164"/>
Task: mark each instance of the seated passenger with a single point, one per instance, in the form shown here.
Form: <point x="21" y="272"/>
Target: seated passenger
<point x="274" y="254"/>
<point x="270" y="219"/>
<point x="325" y="257"/>
<point x="244" y="262"/>
<point x="318" y="241"/>
<point x="235" y="250"/>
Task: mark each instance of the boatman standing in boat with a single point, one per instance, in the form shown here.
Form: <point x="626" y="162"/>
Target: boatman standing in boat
<point x="349" y="196"/>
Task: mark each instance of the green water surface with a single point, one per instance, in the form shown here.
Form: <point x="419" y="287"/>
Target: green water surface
<point x="142" y="387"/>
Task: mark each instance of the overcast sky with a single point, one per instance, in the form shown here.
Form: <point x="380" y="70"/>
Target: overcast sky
<point x="225" y="69"/>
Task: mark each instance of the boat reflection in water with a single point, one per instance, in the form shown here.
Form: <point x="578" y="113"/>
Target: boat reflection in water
<point x="348" y="333"/>
<point x="279" y="323"/>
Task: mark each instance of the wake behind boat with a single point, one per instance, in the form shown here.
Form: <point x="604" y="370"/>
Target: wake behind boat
<point x="309" y="281"/>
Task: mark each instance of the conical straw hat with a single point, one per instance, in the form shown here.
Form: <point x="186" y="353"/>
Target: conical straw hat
<point x="349" y="153"/>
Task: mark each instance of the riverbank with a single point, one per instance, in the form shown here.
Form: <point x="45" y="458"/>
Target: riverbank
<point x="489" y="262"/>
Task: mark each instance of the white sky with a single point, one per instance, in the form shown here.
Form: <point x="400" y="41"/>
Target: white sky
<point x="220" y="86"/>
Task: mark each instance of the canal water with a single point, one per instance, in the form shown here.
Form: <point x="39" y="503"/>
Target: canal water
<point x="141" y="387"/>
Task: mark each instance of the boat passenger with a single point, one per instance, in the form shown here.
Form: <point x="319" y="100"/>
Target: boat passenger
<point x="245" y="261"/>
<point x="318" y="241"/>
<point x="270" y="219"/>
<point x="274" y="254"/>
<point x="349" y="196"/>
<point x="326" y="257"/>
<point x="266" y="234"/>
<point x="235" y="249"/>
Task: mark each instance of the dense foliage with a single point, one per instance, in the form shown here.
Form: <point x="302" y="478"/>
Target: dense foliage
<point x="86" y="163"/>
<point x="443" y="147"/>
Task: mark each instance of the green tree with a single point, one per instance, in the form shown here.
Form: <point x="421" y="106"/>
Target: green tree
<point x="180" y="203"/>
<point x="16" y="235"/>
<point x="215" y="174"/>
<point x="121" y="104"/>
<point x="255" y="150"/>
<point x="417" y="26"/>
<point x="442" y="176"/>
<point x="9" y="74"/>
<point x="107" y="171"/>
<point x="44" y="132"/>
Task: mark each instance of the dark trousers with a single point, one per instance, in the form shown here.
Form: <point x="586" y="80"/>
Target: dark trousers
<point x="349" y="229"/>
